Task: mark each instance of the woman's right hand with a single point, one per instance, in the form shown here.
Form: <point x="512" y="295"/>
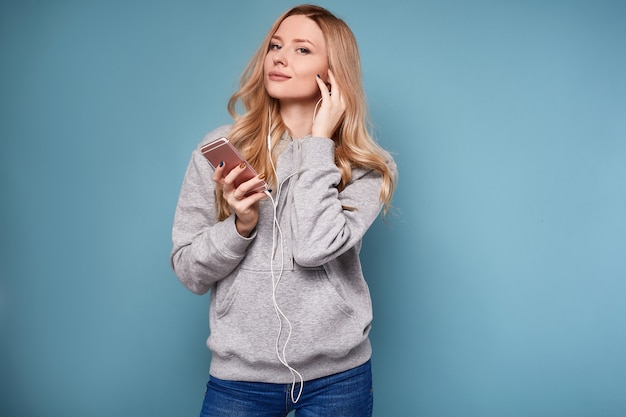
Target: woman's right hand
<point x="243" y="203"/>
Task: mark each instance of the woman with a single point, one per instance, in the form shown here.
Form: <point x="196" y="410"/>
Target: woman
<point x="290" y="310"/>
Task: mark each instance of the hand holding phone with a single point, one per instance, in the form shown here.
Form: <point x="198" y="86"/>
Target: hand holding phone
<point x="221" y="150"/>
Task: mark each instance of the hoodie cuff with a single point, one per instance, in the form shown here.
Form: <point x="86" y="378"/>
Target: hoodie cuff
<point x="228" y="241"/>
<point x="316" y="151"/>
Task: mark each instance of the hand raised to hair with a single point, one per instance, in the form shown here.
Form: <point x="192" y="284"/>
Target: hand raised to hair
<point x="331" y="111"/>
<point x="243" y="202"/>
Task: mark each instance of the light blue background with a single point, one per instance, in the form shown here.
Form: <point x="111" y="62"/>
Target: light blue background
<point x="499" y="279"/>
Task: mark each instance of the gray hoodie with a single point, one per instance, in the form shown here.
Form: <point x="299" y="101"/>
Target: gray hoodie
<point x="320" y="289"/>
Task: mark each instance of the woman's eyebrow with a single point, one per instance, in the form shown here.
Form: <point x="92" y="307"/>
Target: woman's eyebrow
<point x="304" y="41"/>
<point x="297" y="40"/>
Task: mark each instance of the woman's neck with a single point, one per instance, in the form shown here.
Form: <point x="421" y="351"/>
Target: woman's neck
<point x="298" y="117"/>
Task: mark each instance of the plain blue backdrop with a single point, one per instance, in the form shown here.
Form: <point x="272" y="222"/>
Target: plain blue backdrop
<point x="498" y="280"/>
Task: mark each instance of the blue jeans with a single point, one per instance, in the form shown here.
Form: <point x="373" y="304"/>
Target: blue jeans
<point x="346" y="394"/>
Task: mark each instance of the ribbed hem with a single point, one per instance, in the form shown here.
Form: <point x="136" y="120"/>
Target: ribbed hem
<point x="234" y="369"/>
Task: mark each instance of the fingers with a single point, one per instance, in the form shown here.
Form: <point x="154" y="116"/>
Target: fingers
<point x="335" y="93"/>
<point x="218" y="174"/>
<point x="234" y="190"/>
<point x="241" y="197"/>
<point x="239" y="194"/>
<point x="233" y="183"/>
<point x="324" y="91"/>
<point x="327" y="92"/>
<point x="334" y="88"/>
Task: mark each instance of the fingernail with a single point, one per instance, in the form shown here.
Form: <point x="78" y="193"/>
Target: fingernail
<point x="261" y="176"/>
<point x="242" y="165"/>
<point x="221" y="163"/>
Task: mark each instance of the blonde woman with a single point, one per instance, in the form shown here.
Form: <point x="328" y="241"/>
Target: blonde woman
<point x="290" y="311"/>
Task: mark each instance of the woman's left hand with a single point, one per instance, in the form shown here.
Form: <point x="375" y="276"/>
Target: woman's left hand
<point x="331" y="111"/>
<point x="242" y="199"/>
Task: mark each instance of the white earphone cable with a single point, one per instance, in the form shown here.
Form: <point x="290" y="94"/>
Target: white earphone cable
<point x="280" y="315"/>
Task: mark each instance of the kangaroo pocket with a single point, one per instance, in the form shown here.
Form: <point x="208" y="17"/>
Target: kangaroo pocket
<point x="242" y="320"/>
<point x="324" y="323"/>
<point x="224" y="294"/>
<point x="315" y="320"/>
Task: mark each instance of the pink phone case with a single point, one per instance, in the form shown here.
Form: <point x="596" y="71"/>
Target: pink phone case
<point x="221" y="150"/>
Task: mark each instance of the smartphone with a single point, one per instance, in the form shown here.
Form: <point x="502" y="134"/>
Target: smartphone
<point x="221" y="150"/>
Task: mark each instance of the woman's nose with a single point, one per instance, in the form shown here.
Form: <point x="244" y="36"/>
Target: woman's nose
<point x="279" y="58"/>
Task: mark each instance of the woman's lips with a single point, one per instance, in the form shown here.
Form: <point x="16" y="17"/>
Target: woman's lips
<point x="277" y="76"/>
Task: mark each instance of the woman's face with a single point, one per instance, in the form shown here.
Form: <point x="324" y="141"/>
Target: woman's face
<point x="297" y="53"/>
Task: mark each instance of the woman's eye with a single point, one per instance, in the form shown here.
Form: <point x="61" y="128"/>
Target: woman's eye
<point x="303" y="51"/>
<point x="274" y="47"/>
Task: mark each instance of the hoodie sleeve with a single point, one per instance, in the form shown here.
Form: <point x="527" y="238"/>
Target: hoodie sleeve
<point x="327" y="222"/>
<point x="204" y="250"/>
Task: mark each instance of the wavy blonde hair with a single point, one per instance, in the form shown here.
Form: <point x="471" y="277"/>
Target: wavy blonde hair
<point x="354" y="145"/>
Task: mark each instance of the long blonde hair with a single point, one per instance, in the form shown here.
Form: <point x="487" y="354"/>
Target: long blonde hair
<point x="354" y="145"/>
